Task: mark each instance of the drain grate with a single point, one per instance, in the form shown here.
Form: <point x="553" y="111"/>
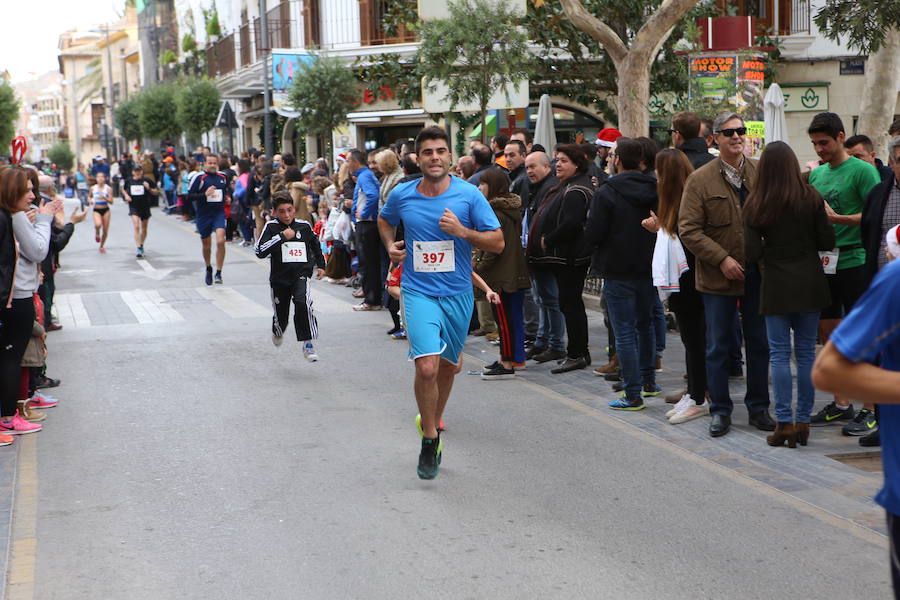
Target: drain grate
<point x="869" y="462"/>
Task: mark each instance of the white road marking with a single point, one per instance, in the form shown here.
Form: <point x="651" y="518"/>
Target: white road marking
<point x="70" y="310"/>
<point x="232" y="302"/>
<point x="149" y="307"/>
<point x="152" y="272"/>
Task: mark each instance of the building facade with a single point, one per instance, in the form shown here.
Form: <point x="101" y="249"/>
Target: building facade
<point x="815" y="73"/>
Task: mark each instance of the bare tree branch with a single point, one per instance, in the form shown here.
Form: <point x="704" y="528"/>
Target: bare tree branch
<point x="653" y="33"/>
<point x="597" y="29"/>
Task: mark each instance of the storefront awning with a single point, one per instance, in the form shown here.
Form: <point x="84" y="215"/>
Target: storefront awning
<point x="491" y="122"/>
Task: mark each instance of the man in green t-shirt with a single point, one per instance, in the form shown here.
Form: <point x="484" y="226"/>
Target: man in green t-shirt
<point x="844" y="182"/>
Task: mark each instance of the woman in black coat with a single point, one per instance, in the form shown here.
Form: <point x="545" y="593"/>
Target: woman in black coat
<point x="556" y="241"/>
<point x="786" y="228"/>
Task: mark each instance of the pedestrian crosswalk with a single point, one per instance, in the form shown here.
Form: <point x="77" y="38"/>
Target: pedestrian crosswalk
<point x="142" y="306"/>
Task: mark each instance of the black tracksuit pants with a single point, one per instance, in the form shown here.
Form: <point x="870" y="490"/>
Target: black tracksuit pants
<point x="304" y="318"/>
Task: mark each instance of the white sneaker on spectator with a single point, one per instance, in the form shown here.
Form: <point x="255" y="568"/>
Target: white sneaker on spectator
<point x="693" y="411"/>
<point x="680" y="405"/>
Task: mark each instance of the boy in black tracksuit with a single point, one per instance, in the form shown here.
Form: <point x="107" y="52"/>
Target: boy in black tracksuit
<point x="294" y="251"/>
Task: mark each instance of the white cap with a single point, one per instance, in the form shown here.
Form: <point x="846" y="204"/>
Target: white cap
<point x="307" y="168"/>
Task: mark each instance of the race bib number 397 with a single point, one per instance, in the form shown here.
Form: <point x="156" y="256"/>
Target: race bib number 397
<point x="433" y="257"/>
<point x="215" y="197"/>
<point x="294" y="252"/>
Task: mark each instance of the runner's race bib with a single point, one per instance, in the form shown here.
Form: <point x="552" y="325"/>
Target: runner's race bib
<point x="81" y="185"/>
<point x="433" y="257"/>
<point x="216" y="197"/>
<point x="136" y="190"/>
<point x="294" y="252"/>
<point x="830" y="260"/>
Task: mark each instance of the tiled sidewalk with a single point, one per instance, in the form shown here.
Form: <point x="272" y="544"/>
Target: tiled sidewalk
<point x="806" y="473"/>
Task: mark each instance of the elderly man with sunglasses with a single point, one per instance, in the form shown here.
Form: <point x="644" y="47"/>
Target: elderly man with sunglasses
<point x="711" y="226"/>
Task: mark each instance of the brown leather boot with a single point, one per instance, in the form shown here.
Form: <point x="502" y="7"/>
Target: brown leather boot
<point x="802" y="430"/>
<point x="784" y="432"/>
<point x="674" y="397"/>
<point x="611" y="367"/>
<point x="32" y="416"/>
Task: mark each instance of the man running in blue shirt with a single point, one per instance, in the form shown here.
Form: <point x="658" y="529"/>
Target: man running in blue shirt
<point x="869" y="336"/>
<point x="443" y="217"/>
<point x="209" y="191"/>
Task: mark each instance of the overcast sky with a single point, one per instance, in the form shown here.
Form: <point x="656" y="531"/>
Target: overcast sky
<point x="29" y="37"/>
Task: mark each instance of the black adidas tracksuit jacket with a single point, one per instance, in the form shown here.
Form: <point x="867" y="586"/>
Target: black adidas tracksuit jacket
<point x="291" y="265"/>
<point x="270" y="244"/>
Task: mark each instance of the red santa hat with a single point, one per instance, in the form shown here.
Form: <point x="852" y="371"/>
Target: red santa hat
<point x="892" y="240"/>
<point x="607" y="137"/>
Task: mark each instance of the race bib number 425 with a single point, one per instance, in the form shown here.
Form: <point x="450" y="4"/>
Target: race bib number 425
<point x="294" y="252"/>
<point x="433" y="257"/>
<point x="136" y="190"/>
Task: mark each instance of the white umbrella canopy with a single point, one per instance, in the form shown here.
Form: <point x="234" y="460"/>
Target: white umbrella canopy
<point x="544" y="131"/>
<point x="773" y="111"/>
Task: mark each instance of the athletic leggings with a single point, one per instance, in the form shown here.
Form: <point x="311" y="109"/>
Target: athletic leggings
<point x="16" y="323"/>
<point x="511" y="325"/>
<point x="304" y="317"/>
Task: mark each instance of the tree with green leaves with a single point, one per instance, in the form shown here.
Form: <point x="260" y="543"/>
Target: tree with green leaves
<point x="9" y="114"/>
<point x="127" y="118"/>
<point x="871" y="27"/>
<point x="61" y="155"/>
<point x="324" y="91"/>
<point x="631" y="49"/>
<point x="156" y="109"/>
<point x="475" y="60"/>
<point x="197" y="103"/>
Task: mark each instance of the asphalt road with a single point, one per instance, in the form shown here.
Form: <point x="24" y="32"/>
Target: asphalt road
<point x="189" y="458"/>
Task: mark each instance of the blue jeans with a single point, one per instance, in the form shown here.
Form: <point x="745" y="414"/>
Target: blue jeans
<point x="551" y="322"/>
<point x="630" y="304"/>
<point x="720" y="313"/>
<point x="778" y="328"/>
<point x="660" y="326"/>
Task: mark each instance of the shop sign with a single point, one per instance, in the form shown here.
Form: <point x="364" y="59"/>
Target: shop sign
<point x="812" y="98"/>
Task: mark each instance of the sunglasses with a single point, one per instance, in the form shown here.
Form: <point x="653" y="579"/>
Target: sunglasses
<point x="671" y="131"/>
<point x="731" y="132"/>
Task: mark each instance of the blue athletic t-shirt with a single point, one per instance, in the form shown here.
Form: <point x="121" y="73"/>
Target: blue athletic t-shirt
<point x="420" y="216"/>
<point x="872" y="331"/>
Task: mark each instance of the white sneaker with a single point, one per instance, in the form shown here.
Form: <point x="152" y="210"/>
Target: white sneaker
<point x="680" y="405"/>
<point x="691" y="412"/>
<point x="309" y="352"/>
<point x="276" y="340"/>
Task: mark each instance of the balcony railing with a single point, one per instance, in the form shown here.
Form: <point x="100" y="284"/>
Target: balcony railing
<point x="799" y="17"/>
<point x="278" y="27"/>
<point x="246" y="45"/>
<point x="220" y="57"/>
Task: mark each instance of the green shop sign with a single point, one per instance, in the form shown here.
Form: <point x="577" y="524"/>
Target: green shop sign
<point x="805" y="97"/>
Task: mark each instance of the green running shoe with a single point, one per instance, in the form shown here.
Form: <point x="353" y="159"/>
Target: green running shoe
<point x="429" y="458"/>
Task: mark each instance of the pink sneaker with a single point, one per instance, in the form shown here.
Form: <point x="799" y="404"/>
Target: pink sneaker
<point x="17" y="425"/>
<point x="41" y="401"/>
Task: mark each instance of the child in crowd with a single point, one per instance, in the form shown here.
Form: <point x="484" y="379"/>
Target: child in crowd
<point x="294" y="251"/>
<point x="33" y="362"/>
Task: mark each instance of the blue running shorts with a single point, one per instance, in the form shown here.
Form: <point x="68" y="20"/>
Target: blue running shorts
<point x="207" y="222"/>
<point x="436" y="325"/>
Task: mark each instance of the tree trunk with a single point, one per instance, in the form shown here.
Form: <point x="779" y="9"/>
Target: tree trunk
<point x="880" y="96"/>
<point x="483" y="122"/>
<point x="633" y="102"/>
<point x="633" y="62"/>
